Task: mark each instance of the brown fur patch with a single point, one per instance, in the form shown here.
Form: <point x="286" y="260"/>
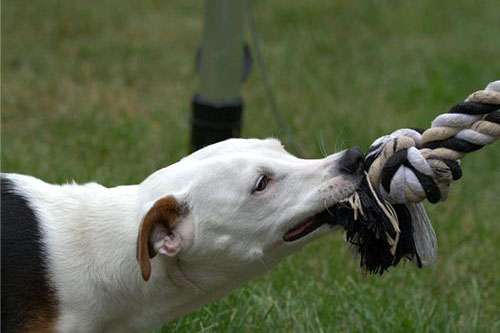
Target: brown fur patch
<point x="165" y="211"/>
<point x="42" y="321"/>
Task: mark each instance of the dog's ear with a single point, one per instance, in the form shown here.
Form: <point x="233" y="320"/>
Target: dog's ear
<point x="156" y="233"/>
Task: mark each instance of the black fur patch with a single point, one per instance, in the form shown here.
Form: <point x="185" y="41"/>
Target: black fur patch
<point x="26" y="292"/>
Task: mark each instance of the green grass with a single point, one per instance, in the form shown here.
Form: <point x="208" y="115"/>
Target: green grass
<point x="100" y="90"/>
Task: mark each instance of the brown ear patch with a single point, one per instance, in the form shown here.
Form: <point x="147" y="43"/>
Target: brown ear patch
<point x="165" y="211"/>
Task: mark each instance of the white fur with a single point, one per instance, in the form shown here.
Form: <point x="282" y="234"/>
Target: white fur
<point x="228" y="236"/>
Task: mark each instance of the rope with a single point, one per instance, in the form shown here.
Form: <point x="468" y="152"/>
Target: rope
<point x="409" y="165"/>
<point x="385" y="219"/>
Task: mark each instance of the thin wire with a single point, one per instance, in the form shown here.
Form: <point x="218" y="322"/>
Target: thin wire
<point x="278" y="115"/>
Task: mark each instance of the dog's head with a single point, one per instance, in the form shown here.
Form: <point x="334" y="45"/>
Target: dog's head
<point x="241" y="204"/>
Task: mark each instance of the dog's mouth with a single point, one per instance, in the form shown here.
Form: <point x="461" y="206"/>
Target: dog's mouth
<point x="310" y="224"/>
<point x="380" y="232"/>
<point x="303" y="229"/>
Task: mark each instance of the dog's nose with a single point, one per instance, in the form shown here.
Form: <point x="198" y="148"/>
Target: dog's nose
<point x="352" y="161"/>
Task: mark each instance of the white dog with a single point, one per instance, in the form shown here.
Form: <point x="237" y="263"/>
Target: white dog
<point x="86" y="258"/>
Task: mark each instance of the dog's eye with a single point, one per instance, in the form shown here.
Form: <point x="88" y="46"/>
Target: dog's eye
<point x="261" y="184"/>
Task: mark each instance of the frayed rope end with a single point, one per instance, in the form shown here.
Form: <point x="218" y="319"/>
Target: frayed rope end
<point x="380" y="232"/>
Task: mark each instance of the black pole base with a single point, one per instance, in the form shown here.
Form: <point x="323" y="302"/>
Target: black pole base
<point x="214" y="122"/>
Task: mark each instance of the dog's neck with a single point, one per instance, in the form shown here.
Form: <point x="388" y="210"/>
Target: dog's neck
<point x="111" y="218"/>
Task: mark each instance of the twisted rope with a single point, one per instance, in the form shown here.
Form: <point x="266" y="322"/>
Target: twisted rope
<point x="411" y="165"/>
<point x="385" y="219"/>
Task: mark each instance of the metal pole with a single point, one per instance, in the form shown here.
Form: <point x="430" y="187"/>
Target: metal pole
<point x="217" y="107"/>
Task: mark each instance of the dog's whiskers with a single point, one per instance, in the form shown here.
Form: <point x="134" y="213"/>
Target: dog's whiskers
<point x="322" y="147"/>
<point x="338" y="138"/>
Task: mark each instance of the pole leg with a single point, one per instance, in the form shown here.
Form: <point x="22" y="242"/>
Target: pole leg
<point x="216" y="110"/>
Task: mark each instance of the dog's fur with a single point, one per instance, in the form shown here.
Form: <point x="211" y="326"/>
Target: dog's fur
<point x="82" y="258"/>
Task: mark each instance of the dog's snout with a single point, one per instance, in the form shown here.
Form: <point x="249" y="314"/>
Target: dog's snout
<point x="352" y="161"/>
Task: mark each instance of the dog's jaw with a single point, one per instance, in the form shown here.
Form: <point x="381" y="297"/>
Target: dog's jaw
<point x="333" y="191"/>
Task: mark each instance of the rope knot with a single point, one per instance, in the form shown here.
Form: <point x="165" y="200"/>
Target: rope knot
<point x="411" y="165"/>
<point x="384" y="219"/>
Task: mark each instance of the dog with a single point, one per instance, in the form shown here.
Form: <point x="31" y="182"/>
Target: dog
<point x="86" y="258"/>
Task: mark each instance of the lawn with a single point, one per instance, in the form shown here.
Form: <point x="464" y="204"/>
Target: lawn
<point x="100" y="90"/>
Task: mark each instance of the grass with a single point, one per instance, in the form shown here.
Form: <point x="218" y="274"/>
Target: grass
<point x="100" y="90"/>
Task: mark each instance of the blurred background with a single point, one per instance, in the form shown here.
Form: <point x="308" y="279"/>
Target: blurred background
<point x="101" y="91"/>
